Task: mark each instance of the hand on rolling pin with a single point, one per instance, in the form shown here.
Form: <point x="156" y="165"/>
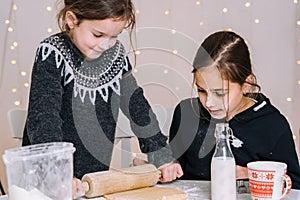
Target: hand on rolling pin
<point x="170" y="172"/>
<point x="77" y="188"/>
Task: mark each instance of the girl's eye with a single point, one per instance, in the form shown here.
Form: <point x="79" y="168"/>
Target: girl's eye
<point x="201" y="91"/>
<point x="97" y="36"/>
<point x="221" y="94"/>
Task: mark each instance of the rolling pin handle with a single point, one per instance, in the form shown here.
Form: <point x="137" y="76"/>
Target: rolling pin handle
<point x="86" y="186"/>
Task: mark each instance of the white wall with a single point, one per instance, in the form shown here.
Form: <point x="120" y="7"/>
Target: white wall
<point x="166" y="76"/>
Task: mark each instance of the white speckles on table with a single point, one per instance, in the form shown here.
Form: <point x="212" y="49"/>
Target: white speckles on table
<point x="193" y="189"/>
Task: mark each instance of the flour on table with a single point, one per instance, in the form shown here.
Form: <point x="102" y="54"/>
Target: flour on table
<point x="17" y="193"/>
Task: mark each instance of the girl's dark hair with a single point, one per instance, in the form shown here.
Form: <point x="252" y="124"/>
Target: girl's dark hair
<point x="98" y="10"/>
<point x="230" y="54"/>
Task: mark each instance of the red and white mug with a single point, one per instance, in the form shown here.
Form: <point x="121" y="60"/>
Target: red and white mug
<point x="267" y="180"/>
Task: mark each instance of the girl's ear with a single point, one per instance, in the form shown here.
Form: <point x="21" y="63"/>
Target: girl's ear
<point x="247" y="87"/>
<point x="71" y="19"/>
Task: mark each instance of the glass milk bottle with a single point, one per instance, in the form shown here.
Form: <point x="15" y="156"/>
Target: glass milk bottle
<point x="223" y="178"/>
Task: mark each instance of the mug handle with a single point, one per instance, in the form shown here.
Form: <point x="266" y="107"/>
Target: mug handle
<point x="288" y="185"/>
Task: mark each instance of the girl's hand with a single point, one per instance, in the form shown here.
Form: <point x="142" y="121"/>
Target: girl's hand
<point x="241" y="172"/>
<point x="77" y="188"/>
<point x="170" y="172"/>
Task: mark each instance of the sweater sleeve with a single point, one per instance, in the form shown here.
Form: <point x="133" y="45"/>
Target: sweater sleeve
<point x="44" y="122"/>
<point x="143" y="122"/>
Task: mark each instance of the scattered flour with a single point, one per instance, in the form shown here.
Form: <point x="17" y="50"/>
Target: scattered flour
<point x="17" y="193"/>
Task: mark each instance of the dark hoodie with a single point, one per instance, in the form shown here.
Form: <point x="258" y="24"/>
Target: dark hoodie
<point x="264" y="131"/>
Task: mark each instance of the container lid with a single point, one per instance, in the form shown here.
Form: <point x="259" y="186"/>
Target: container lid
<point x="37" y="150"/>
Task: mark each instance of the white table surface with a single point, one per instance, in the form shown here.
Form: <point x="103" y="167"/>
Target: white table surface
<point x="197" y="190"/>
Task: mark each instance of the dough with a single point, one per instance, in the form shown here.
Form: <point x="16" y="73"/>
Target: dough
<point x="149" y="193"/>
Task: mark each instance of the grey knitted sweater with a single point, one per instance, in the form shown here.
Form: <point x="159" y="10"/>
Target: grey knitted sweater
<point x="78" y="101"/>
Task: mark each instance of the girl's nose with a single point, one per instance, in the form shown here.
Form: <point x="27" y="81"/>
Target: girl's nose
<point x="209" y="100"/>
<point x="107" y="43"/>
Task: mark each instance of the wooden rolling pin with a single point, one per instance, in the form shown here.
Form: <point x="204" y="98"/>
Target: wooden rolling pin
<point x="112" y="181"/>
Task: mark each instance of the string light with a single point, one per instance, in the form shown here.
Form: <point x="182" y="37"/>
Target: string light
<point x="137" y="11"/>
<point x="295" y="1"/>
<point x="49" y="8"/>
<point x="167" y="12"/>
<point x="137" y="52"/>
<point x="166" y="71"/>
<point x="289" y="99"/>
<point x="298" y="62"/>
<point x="175" y="51"/>
<point x="15" y="7"/>
<point x="198" y="3"/>
<point x="247" y="4"/>
<point x="299" y="82"/>
<point x="286" y="117"/>
<point x="23" y="73"/>
<point x="225" y="10"/>
<point x="17" y="103"/>
<point x="256" y="21"/>
<point x="298" y="22"/>
<point x="7" y="21"/>
<point x="26" y="85"/>
<point x="14" y="90"/>
<point x="201" y="23"/>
